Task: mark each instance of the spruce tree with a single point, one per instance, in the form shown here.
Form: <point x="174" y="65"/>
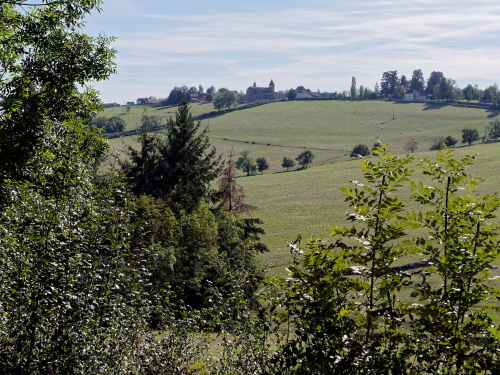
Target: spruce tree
<point x="175" y="166"/>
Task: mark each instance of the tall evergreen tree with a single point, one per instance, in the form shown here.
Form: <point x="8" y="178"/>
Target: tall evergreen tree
<point x="176" y="166"/>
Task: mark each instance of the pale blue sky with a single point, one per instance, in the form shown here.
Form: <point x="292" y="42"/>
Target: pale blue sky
<point x="314" y="43"/>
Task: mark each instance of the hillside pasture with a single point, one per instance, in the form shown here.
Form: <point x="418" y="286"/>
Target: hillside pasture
<point x="308" y="201"/>
<point x="133" y="118"/>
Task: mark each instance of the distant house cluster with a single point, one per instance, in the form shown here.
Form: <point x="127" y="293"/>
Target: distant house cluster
<point x="196" y="98"/>
<point x="255" y="93"/>
<point x="416" y="96"/>
<point x="302" y="92"/>
<point x="150" y="100"/>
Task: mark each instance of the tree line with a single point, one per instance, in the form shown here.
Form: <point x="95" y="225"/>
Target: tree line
<point x="247" y="164"/>
<point x="440" y="87"/>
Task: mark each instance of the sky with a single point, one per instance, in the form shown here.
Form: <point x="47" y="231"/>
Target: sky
<point x="312" y="43"/>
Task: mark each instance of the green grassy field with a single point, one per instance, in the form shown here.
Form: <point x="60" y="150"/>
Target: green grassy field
<point x="133" y="118"/>
<point x="308" y="201"/>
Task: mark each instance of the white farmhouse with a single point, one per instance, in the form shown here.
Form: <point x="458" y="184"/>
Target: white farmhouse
<point x="416" y="96"/>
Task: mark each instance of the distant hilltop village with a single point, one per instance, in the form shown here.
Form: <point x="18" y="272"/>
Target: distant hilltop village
<point x="253" y="94"/>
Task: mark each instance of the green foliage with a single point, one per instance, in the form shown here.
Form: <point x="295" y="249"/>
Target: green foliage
<point x="175" y="166"/>
<point x="449" y="141"/>
<point x="442" y="142"/>
<point x="219" y="102"/>
<point x="245" y="163"/>
<point x="341" y="301"/>
<point x="316" y="311"/>
<point x="292" y="94"/>
<point x="40" y="89"/>
<point x="433" y="81"/>
<point x="342" y="324"/>
<point x="225" y="99"/>
<point x="417" y="81"/>
<point x="149" y="123"/>
<point x="287" y="163"/>
<point x="469" y="135"/>
<point x="262" y="164"/>
<point x="109" y="125"/>
<point x="252" y="231"/>
<point x="209" y="97"/>
<point x="490" y="93"/>
<point x="305" y="158"/>
<point x="360" y="150"/>
<point x="460" y="246"/>
<point x="177" y="95"/>
<point x="494" y="129"/>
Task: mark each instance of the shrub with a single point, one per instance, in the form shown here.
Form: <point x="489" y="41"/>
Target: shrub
<point x="360" y="150"/>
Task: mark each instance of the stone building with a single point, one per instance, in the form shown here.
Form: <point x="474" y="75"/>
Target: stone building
<point x="255" y="93"/>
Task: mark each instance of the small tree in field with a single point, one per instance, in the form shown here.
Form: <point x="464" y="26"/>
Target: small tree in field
<point x="411" y="145"/>
<point x="360" y="150"/>
<point x="287" y="163"/>
<point x="245" y="163"/>
<point x="469" y="135"/>
<point x="233" y="198"/>
<point x="305" y="158"/>
<point x="494" y="129"/>
<point x="262" y="164"/>
<point x="450" y="141"/>
<point x="128" y="107"/>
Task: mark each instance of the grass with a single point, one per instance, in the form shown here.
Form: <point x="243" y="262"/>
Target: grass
<point x="308" y="201"/>
<point x="133" y="118"/>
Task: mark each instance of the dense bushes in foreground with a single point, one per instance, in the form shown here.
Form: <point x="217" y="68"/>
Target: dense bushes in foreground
<point x="79" y="292"/>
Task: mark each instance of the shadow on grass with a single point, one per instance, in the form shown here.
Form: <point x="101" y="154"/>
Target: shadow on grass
<point x="494" y="112"/>
<point x="430" y="106"/>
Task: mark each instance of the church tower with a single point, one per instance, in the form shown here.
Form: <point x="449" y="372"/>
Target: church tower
<point x="271" y="85"/>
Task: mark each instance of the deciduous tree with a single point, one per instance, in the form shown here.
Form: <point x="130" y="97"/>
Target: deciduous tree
<point x="360" y="150"/>
<point x="262" y="164"/>
<point x="417" y="81"/>
<point x="411" y="145"/>
<point x="287" y="163"/>
<point x="434" y="79"/>
<point x="245" y="163"/>
<point x="305" y="158"/>
<point x="389" y="82"/>
<point x="469" y="135"/>
<point x="292" y="94"/>
<point x="494" y="129"/>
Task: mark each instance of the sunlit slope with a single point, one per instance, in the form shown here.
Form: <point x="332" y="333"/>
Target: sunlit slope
<point x="307" y="201"/>
<point x="133" y="118"/>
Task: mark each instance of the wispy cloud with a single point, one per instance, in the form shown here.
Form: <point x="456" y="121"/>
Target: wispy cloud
<point x="321" y="45"/>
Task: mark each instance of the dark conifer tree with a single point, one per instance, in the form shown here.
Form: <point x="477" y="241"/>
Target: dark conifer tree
<point x="176" y="166"/>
